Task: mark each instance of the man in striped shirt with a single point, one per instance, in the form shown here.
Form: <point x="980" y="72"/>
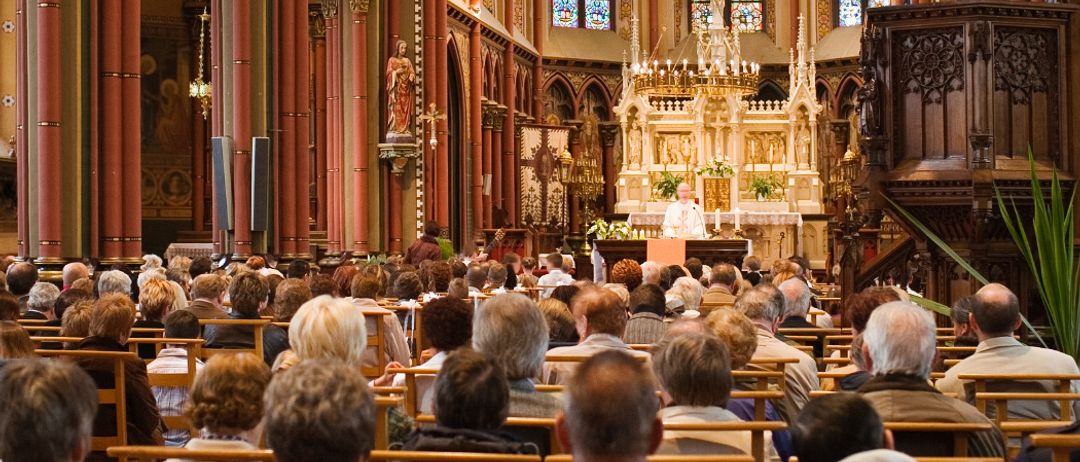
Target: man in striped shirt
<point x="174" y="360"/>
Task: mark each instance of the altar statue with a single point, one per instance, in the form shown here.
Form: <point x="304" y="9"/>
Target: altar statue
<point x="635" y="145"/>
<point x="802" y="141"/>
<point x="853" y="131"/>
<point x="400" y="76"/>
<point x="689" y="151"/>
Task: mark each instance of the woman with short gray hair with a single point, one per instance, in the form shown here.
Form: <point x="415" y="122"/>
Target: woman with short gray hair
<point x="511" y="329"/>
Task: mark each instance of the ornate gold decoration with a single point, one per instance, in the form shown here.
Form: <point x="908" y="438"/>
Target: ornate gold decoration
<point x="330" y="8"/>
<point x="717" y="194"/>
<point x="200" y="89"/>
<point x="359" y="6"/>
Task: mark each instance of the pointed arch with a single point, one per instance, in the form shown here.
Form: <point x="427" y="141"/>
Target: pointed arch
<point x="594" y="88"/>
<point x="559" y="97"/>
<point x="769" y="90"/>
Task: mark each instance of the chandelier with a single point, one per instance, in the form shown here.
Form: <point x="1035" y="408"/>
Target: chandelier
<point x="720" y="70"/>
<point x="200" y="89"/>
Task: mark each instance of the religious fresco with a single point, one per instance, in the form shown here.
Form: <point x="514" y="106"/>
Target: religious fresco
<point x="166" y="123"/>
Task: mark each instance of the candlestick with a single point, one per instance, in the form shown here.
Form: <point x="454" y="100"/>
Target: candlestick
<point x="738" y="219"/>
<point x="717" y="217"/>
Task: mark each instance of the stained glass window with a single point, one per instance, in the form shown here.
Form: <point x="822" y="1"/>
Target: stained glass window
<point x="849" y="13"/>
<point x="700" y="14"/>
<point x="598" y="14"/>
<point x="588" y="14"/>
<point x="748" y="15"/>
<point x="564" y="13"/>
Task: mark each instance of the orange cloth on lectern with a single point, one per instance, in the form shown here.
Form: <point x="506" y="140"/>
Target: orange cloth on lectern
<point x="666" y="251"/>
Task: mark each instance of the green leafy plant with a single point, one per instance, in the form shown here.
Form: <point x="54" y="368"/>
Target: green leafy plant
<point x="1049" y="256"/>
<point x="764" y="186"/>
<point x="668" y="185"/>
<point x="717" y="167"/>
<point x="604" y="230"/>
<point x="1049" y="253"/>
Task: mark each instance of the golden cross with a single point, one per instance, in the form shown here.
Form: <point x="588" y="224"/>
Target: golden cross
<point x="432" y="116"/>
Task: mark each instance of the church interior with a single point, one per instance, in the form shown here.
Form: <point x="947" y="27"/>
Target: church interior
<point x="920" y="148"/>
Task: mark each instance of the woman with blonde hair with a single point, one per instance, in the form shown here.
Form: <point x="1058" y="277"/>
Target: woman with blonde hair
<point x="14" y="342"/>
<point x="689" y="292"/>
<point x="226" y="402"/>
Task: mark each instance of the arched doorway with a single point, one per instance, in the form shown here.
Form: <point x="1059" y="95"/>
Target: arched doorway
<point x="456" y="139"/>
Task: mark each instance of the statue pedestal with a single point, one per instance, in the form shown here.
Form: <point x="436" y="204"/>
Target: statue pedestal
<point x="805" y="187"/>
<point x="633" y="191"/>
<point x="398" y="154"/>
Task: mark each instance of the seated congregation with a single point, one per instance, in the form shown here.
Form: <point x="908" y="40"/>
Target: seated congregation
<point x="398" y="361"/>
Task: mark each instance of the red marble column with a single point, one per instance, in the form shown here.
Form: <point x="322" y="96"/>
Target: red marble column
<point x="393" y="26"/>
<point x="334" y="145"/>
<point x="319" y="86"/>
<point x="489" y="124"/>
<point x="794" y="15"/>
<point x="360" y="141"/>
<point x="509" y="145"/>
<point x="132" y="151"/>
<point x="49" y="92"/>
<point x="476" y="129"/>
<point x="497" y="140"/>
<point x="286" y="94"/>
<point x="216" y="115"/>
<point x="95" y="127"/>
<point x="539" y="26"/>
<point x="112" y="126"/>
<point x="302" y="96"/>
<point x="241" y="127"/>
<point x="198" y="168"/>
<point x="22" y="167"/>
<point x="430" y="77"/>
<point x="442" y="100"/>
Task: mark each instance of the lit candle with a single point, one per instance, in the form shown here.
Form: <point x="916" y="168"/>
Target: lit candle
<point x="717" y="218"/>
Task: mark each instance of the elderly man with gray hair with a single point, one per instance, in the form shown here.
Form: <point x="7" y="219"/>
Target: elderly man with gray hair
<point x="796" y="306"/>
<point x="114" y="281"/>
<point x="511" y="329"/>
<point x="41" y="301"/>
<point x="899" y="345"/>
<point x="764" y="305"/>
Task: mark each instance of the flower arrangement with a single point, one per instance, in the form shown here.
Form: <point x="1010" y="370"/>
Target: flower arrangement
<point x="718" y="168"/>
<point x="614" y="230"/>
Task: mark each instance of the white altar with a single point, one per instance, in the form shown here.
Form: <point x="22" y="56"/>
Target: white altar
<point x="755" y="142"/>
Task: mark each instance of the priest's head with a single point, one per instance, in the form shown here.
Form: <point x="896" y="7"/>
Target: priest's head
<point x="684" y="192"/>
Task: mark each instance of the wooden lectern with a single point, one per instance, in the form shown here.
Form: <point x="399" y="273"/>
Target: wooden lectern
<point x="673" y="251"/>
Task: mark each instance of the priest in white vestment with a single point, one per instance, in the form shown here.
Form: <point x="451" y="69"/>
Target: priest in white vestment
<point x="684" y="219"/>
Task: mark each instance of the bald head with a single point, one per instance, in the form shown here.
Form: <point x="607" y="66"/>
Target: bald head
<point x="996" y="311"/>
<point x="74" y="271"/>
<point x="598" y="311"/>
<point x="684" y="192"/>
<point x="623" y="424"/>
<point x="796" y="298"/>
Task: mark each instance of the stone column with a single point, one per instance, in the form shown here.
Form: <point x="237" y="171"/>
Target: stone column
<point x="576" y="150"/>
<point x="488" y="153"/>
<point x="318" y="51"/>
<point x="334" y="135"/>
<point x="22" y="129"/>
<point x="442" y="99"/>
<point x="359" y="108"/>
<point x="49" y="142"/>
<point x="430" y="77"/>
<point x="131" y="59"/>
<point x="497" y="140"/>
<point x="608" y="132"/>
<point x="217" y="116"/>
<point x="111" y="133"/>
<point x="302" y="148"/>
<point x="286" y="52"/>
<point x="476" y="130"/>
<point x="506" y="174"/>
<point x="241" y="127"/>
<point x="539" y="26"/>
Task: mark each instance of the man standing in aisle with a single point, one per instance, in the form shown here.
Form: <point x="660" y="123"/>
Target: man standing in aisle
<point x="684" y="218"/>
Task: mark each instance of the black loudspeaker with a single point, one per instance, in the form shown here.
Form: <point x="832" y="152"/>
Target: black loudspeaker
<point x="222" y="158"/>
<point x="260" y="183"/>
